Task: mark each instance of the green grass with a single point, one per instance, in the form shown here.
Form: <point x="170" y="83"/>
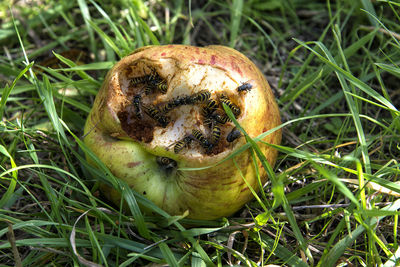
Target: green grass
<point x="332" y="198"/>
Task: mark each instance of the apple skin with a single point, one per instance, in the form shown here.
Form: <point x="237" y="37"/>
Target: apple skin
<point x="206" y="194"/>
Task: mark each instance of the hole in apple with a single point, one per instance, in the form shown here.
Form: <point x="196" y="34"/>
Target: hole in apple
<point x="165" y="103"/>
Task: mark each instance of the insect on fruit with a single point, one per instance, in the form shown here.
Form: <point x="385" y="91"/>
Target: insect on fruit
<point x="162" y="86"/>
<point x="210" y="107"/>
<point x="201" y="96"/>
<point x="202" y="140"/>
<point x="136" y="103"/>
<point x="183" y="143"/>
<point x="233" y="135"/>
<point x="182" y="100"/>
<point x="153" y="77"/>
<point x="148" y="89"/>
<point x="245" y="87"/>
<point x="155" y="82"/>
<point x="235" y="109"/>
<point x="222" y="119"/>
<point x="215" y="134"/>
<point x="168" y="107"/>
<point x="216" y="118"/>
<point x="176" y="102"/>
<point x="186" y="100"/>
<point x="155" y="114"/>
<point x="138" y="80"/>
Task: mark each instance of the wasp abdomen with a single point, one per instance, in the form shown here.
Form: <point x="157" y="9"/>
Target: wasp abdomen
<point x="155" y="114"/>
<point x="199" y="136"/>
<point x="138" y="80"/>
<point x="215" y="134"/>
<point x="222" y="119"/>
<point x="162" y="86"/>
<point x="167" y="107"/>
<point x="235" y="109"/>
<point x="155" y="82"/>
<point x="210" y="107"/>
<point x="201" y="96"/>
<point x="183" y="143"/>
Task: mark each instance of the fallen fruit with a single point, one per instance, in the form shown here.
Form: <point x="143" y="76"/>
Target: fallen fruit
<point x="159" y="110"/>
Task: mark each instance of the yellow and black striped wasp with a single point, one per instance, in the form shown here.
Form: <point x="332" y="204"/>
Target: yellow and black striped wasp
<point x="204" y="142"/>
<point x="155" y="114"/>
<point x="200" y="97"/>
<point x="235" y="109"/>
<point x="183" y="143"/>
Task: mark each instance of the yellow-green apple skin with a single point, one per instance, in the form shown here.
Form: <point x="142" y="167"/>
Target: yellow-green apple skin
<point x="129" y="143"/>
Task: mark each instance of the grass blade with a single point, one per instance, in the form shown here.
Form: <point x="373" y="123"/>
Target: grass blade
<point x="7" y="90"/>
<point x="12" y="182"/>
<point x="337" y="251"/>
<point x="236" y="13"/>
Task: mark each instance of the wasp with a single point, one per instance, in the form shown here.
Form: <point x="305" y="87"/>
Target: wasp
<point x="246" y="87"/>
<point x="158" y="84"/>
<point x="201" y="96"/>
<point x="176" y="102"/>
<point x="154" y="81"/>
<point x="210" y="107"/>
<point x="136" y="103"/>
<point x="215" y="133"/>
<point x="186" y="100"/>
<point x="181" y="100"/>
<point x="155" y="114"/>
<point x="148" y="89"/>
<point x="162" y="86"/>
<point x="222" y="119"/>
<point x="153" y="76"/>
<point x="235" y="109"/>
<point x="202" y="140"/>
<point x="167" y="107"/>
<point x="233" y="135"/>
<point x="140" y="79"/>
<point x="183" y="143"/>
<point x="216" y="118"/>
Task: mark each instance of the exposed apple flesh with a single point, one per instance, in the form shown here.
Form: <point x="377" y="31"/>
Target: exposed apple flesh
<point x="138" y="144"/>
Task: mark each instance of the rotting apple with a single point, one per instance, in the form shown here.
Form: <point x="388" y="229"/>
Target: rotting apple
<point x="159" y="111"/>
